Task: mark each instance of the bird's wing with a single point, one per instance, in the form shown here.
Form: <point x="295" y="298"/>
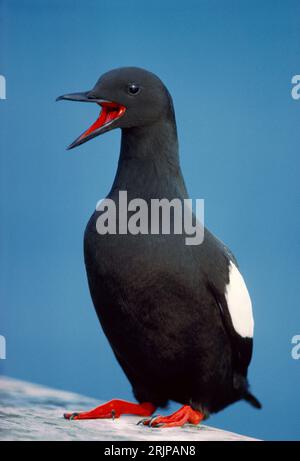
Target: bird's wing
<point x="232" y="297"/>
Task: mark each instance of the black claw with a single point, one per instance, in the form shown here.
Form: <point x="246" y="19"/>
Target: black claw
<point x="113" y="414"/>
<point x="153" y="419"/>
<point x="141" y="421"/>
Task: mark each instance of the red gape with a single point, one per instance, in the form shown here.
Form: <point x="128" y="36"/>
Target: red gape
<point x="184" y="415"/>
<point x="109" y="111"/>
<point x="114" y="409"/>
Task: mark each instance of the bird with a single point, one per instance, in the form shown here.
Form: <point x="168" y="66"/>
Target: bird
<point x="178" y="317"/>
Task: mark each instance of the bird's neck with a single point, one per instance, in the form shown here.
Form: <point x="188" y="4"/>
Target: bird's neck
<point x="149" y="161"/>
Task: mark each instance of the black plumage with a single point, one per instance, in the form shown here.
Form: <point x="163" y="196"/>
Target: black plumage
<point x="161" y="303"/>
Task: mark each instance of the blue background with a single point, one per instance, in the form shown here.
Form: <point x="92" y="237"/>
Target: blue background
<point x="228" y="65"/>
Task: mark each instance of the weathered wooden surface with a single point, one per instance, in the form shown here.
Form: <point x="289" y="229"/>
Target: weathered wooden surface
<point x="32" y="412"/>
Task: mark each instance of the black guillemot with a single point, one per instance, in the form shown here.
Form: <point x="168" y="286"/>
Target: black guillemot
<point x="178" y="317"/>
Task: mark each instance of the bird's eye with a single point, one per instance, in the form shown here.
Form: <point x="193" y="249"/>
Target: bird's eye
<point x="133" y="88"/>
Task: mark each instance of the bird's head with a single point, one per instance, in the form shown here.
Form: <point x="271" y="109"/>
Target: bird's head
<point x="129" y="97"/>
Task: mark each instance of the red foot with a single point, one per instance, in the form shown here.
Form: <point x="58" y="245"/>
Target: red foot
<point x="114" y="409"/>
<point x="182" y="416"/>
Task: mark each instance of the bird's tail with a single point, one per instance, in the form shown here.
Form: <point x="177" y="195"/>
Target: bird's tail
<point x="250" y="398"/>
<point x="241" y="384"/>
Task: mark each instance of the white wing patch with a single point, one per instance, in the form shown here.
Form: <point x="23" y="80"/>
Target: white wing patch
<point x="239" y="303"/>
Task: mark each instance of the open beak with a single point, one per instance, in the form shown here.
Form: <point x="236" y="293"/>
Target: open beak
<point x="109" y="114"/>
